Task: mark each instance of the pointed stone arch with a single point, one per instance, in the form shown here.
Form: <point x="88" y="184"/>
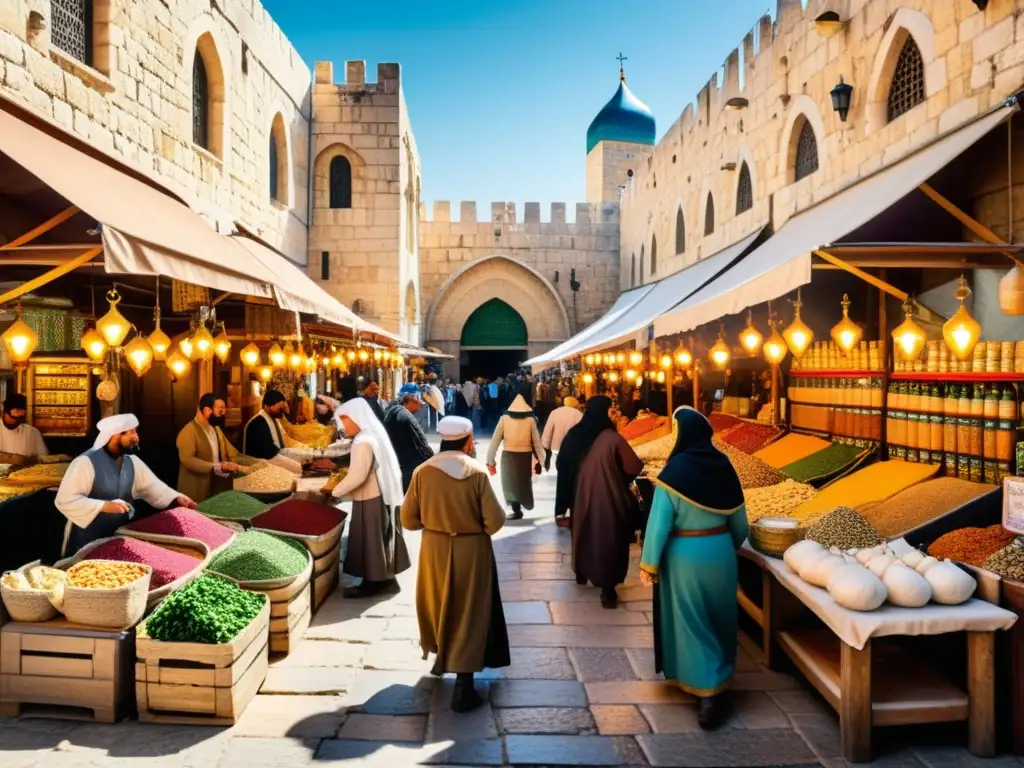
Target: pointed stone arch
<point x="411" y="314"/>
<point x="279" y="162"/>
<point x="803" y="112"/>
<point x="205" y="43"/>
<point x="903" y="24"/>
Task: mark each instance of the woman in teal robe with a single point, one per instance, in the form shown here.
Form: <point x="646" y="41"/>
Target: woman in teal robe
<point x="697" y="522"/>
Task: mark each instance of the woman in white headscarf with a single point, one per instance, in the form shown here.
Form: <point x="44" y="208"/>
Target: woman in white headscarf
<point x="376" y="550"/>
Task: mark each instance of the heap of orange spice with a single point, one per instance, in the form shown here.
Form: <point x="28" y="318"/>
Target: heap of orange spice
<point x="971" y="545"/>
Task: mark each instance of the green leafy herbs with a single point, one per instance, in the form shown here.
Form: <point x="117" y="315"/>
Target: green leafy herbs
<point x="258" y="556"/>
<point x="232" y="505"/>
<point x="209" y="610"/>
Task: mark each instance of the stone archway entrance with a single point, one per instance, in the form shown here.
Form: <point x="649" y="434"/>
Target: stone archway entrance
<point x="499" y="305"/>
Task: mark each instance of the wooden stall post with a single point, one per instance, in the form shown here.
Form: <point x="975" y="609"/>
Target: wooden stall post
<point x="696" y="387"/>
<point x="776" y="395"/>
<point x="981" y="690"/>
<point x="855" y="702"/>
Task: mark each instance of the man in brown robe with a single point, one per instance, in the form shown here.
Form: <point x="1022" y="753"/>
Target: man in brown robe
<point x="206" y="457"/>
<point x="457" y="599"/>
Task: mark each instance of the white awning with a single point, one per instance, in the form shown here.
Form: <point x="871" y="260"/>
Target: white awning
<point x="783" y="263"/>
<point x="622" y="304"/>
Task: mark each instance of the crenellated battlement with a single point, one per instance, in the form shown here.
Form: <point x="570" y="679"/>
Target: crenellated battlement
<point x="505" y="213"/>
<point x="389" y="74"/>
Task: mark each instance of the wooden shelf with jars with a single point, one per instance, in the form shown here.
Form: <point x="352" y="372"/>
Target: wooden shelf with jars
<point x="60" y="396"/>
<point x="957" y="377"/>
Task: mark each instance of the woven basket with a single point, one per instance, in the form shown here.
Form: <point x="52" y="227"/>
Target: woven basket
<point x="27" y="604"/>
<point x="774" y="541"/>
<point x="119" y="608"/>
<point x="267" y="585"/>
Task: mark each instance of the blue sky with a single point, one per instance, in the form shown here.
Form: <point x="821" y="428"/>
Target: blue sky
<point x="501" y="93"/>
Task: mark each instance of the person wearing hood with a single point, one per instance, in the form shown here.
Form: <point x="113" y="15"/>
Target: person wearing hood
<point x="595" y="469"/>
<point x="406" y="435"/>
<point x="371" y="394"/>
<point x="263" y="437"/>
<point x="376" y="550"/>
<point x="522" y="457"/>
<point x="458" y="603"/>
<point x="20" y="443"/>
<point x="698" y="521"/>
<point x="99" y="486"/>
<point x="206" y="457"/>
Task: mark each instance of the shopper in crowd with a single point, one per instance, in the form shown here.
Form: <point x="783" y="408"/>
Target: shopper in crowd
<point x="522" y="457"/>
<point x="263" y="437"/>
<point x="406" y="434"/>
<point x="558" y="425"/>
<point x="698" y="520"/>
<point x="371" y="394"/>
<point x="98" y="489"/>
<point x="324" y="409"/>
<point x="376" y="550"/>
<point x="595" y="469"/>
<point x="458" y="603"/>
<point x="206" y="457"/>
<point x="471" y="394"/>
<point x="20" y="443"/>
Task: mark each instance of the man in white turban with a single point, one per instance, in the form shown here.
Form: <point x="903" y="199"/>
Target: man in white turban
<point x="99" y="486"/>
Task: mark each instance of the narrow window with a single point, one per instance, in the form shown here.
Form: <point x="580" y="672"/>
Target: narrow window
<point x="641" y="265"/>
<point x="806" y="152"/>
<point x="341" y="182"/>
<point x="654" y="255"/>
<point x="907" y="89"/>
<point x="275" y="191"/>
<point x="245" y="58"/>
<point x="632" y="271"/>
<point x="744" y="191"/>
<point x="325" y="265"/>
<point x="709" y="216"/>
<point x="200" y="103"/>
<point x="680" y="232"/>
<point x="71" y="28"/>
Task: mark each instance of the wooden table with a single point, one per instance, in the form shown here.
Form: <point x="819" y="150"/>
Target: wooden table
<point x="879" y="685"/>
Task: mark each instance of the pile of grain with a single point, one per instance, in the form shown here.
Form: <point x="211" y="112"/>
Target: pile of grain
<point x="776" y="500"/>
<point x="915" y="506"/>
<point x="844" y="528"/>
<point x="753" y="472"/>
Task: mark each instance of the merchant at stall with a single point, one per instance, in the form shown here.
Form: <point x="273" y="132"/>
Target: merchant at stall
<point x="263" y="437"/>
<point x="206" y="456"/>
<point x="99" y="486"/>
<point x="406" y="435"/>
<point x="20" y="443"/>
<point x="324" y="409"/>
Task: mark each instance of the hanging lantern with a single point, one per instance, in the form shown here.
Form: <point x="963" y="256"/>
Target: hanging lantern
<point x="774" y="348"/>
<point x="620" y="358"/>
<point x="363" y="355"/>
<point x="378" y="356"/>
<point x="750" y="337"/>
<point x="665" y="362"/>
<point x="94" y="345"/>
<point x="222" y="345"/>
<point x="401" y="362"/>
<point x="588" y="379"/>
<point x="961" y="332"/>
<point x="683" y="357"/>
<point x="846" y="333"/>
<point x="187" y="347"/>
<point x="202" y="344"/>
<point x="266" y="373"/>
<point x="139" y="355"/>
<point x="158" y="340"/>
<point x="798" y="336"/>
<point x="719" y="354"/>
<point x="661" y="377"/>
<point x="639" y="378"/>
<point x="613" y="376"/>
<point x="296" y="357"/>
<point x="338" y="360"/>
<point x="276" y="356"/>
<point x="112" y="326"/>
<point x="909" y="337"/>
<point x="636" y="359"/>
<point x="312" y="364"/>
<point x="250" y="355"/>
<point x="351" y="355"/>
<point x="20" y="340"/>
<point x="178" y="365"/>
<point x="630" y="374"/>
<point x="589" y="360"/>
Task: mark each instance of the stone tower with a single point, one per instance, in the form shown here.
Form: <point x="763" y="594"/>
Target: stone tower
<point x="619" y="138"/>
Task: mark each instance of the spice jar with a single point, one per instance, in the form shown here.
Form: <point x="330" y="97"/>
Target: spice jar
<point x="950" y="465"/>
<point x="936" y="441"/>
<point x="912" y="427"/>
<point x="876" y="426"/>
<point x="898" y="435"/>
<point x="876" y="393"/>
<point x="989" y="433"/>
<point x="991" y="407"/>
<point x="897" y="452"/>
<point x="976" y="439"/>
<point x="976" y="474"/>
<point x="949" y="434"/>
<point x="901" y="396"/>
<point x="978" y="403"/>
<point x="1002" y="470"/>
<point x="989" y="471"/>
<point x="963" y="402"/>
<point x="1004" y="441"/>
<point x="1008" y="404"/>
<point x="963" y="436"/>
<point x="935" y="403"/>
<point x="963" y="467"/>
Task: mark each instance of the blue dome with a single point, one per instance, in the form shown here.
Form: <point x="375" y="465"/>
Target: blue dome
<point x="624" y="118"/>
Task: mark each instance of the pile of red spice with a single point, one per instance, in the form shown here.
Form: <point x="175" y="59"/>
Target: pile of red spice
<point x="167" y="566"/>
<point x="723" y="421"/>
<point x="184" y="523"/>
<point x="299" y="516"/>
<point x="749" y="438"/>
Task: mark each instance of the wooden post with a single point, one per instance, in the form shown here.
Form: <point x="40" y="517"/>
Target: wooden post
<point x="776" y="395"/>
<point x="981" y="691"/>
<point x="696" y="386"/>
<point x="855" y="703"/>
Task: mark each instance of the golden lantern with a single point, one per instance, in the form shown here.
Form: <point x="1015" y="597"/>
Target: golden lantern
<point x="158" y="340"/>
<point x="639" y="378"/>
<point x="250" y="355"/>
<point x="774" y="348"/>
<point x="20" y="340"/>
<point x="751" y="338"/>
<point x="112" y="326"/>
<point x="620" y="358"/>
<point x="338" y="360"/>
<point x="589" y="360"/>
<point x="909" y="337"/>
<point x="719" y="354"/>
<point x="187" y="347"/>
<point x="636" y="359"/>
<point x="311" y="364"/>
<point x="961" y="332"/>
<point x="683" y="357"/>
<point x="202" y="344"/>
<point x="378" y="356"/>
<point x="661" y="377"/>
<point x="798" y="336"/>
<point x="400" y="362"/>
<point x="363" y="355"/>
<point x="613" y="376"/>
<point x="139" y="355"/>
<point x="94" y="345"/>
<point x="276" y="356"/>
<point x="351" y="355"/>
<point x="588" y="379"/>
<point x="265" y="373"/>
<point x="296" y="357"/>
<point x="665" y="362"/>
<point x="222" y="345"/>
<point x="846" y="333"/>
<point x="630" y="374"/>
<point x="178" y="365"/>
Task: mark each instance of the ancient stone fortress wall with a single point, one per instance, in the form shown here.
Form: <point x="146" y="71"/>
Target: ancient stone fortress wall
<point x="467" y="261"/>
<point x="369" y="244"/>
<point x="971" y="61"/>
<point x="133" y="100"/>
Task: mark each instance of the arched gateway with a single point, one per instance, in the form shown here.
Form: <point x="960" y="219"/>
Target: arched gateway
<point x="493" y="314"/>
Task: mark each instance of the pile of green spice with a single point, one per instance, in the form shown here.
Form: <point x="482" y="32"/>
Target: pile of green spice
<point x="258" y="556"/>
<point x="209" y="610"/>
<point x="823" y="463"/>
<point x="232" y="505"/>
<point x="1008" y="562"/>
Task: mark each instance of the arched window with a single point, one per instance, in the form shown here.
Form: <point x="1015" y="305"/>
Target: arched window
<point x="71" y="28"/>
<point x="806" y="152"/>
<point x="200" y="102"/>
<point x="641" y="265"/>
<point x="744" y="191"/>
<point x="275" y="193"/>
<point x="907" y="89"/>
<point x="341" y="182"/>
<point x="709" y="216"/>
<point x="277" y="161"/>
<point x="632" y="271"/>
<point x="654" y="255"/>
<point x="680" y="232"/>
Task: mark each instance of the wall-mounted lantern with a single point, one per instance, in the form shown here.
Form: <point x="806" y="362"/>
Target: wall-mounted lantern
<point x="841" y="97"/>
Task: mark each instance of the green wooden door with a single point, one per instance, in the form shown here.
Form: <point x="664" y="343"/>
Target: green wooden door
<point x="494" y="324"/>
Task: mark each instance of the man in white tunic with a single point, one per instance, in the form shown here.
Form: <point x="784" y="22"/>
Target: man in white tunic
<point x="99" y="486"/>
<point x="20" y="443"/>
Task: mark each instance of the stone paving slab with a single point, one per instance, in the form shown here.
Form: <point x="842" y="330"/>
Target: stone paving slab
<point x="306" y="680"/>
<point x="390" y="728"/>
<point x="391" y="693"/>
<point x="535" y="636"/>
<point x="537" y="693"/>
<point x="594" y="615"/>
<point x="571" y="750"/>
<point x="508" y="571"/>
<point x="756" y="710"/>
<point x="545" y="571"/>
<point x="548" y="591"/>
<point x="720" y="749"/>
<point x="328" y="625"/>
<point x="298" y="717"/>
<point x="445" y="725"/>
<point x="619" y="720"/>
<point x="541" y="720"/>
<point x="601" y="664"/>
<point x="636" y="692"/>
<point x="381" y="754"/>
<point x="396" y="655"/>
<point x="322" y="653"/>
<point x="535" y="612"/>
<point x="535" y="664"/>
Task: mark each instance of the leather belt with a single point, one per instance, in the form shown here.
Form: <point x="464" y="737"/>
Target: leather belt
<point x="678" y="534"/>
<point x="454" y="535"/>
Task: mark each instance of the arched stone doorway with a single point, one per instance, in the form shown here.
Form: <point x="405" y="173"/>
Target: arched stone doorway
<point x="520" y="291"/>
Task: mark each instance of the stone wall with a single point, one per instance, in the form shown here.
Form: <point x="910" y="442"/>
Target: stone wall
<point x="972" y="60"/>
<point x="610" y="166"/>
<point x="135" y="101"/>
<point x="372" y="246"/>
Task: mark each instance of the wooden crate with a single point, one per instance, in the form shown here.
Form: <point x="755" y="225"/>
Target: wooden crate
<point x="285" y="642"/>
<point x="200" y="684"/>
<point x="290" y="612"/>
<point x="66" y="669"/>
<point x="324" y="563"/>
<point x="324" y="585"/>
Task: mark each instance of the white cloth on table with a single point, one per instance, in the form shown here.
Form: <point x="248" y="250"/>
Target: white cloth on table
<point x="73" y="494"/>
<point x="856" y="628"/>
<point x="23" y="440"/>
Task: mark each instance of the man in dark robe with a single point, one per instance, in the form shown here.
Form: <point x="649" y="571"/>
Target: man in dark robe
<point x="406" y="434"/>
<point x="263" y="437"/>
<point x="371" y="394"/>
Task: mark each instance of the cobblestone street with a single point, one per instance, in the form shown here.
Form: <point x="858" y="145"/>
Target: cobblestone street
<point x="581" y="691"/>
